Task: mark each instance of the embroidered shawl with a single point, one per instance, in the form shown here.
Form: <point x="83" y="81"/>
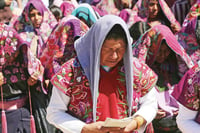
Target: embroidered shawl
<point x="60" y="45"/>
<point x="10" y="43"/>
<point x="140" y="12"/>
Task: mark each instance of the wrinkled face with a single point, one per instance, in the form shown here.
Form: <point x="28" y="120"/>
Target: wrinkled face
<point x="36" y="18"/>
<point x="163" y="53"/>
<point x="153" y="8"/>
<point x="112" y="52"/>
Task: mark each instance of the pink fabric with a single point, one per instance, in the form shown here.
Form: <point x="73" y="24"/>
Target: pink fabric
<point x="80" y="106"/>
<point x="154" y="38"/>
<point x="193" y="13"/>
<point x="139" y="12"/>
<point x="67" y="8"/>
<point x="186" y="91"/>
<point x="10" y="42"/>
<point x="60" y="45"/>
<point x="187" y="35"/>
<point x="23" y="23"/>
<point x="146" y="49"/>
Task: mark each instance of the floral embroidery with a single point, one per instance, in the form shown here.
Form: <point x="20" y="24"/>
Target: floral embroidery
<point x="192" y="92"/>
<point x="81" y="99"/>
<point x="13" y="79"/>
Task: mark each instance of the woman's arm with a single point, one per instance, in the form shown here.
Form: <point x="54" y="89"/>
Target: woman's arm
<point x="148" y="108"/>
<point x="56" y="113"/>
<point x="186" y="120"/>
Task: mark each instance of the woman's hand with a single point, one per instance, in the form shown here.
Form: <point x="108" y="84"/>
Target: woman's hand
<point x="31" y="81"/>
<point x="160" y="114"/>
<point x="93" y="127"/>
<point x="175" y="28"/>
<point x="1" y="79"/>
<point x="128" y="129"/>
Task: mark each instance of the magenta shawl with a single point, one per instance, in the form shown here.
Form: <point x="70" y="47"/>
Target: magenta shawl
<point x="139" y="12"/>
<point x="10" y="43"/>
<point x="153" y="38"/>
<point x="60" y="45"/>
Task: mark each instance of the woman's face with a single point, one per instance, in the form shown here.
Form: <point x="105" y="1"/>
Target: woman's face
<point x="153" y="8"/>
<point x="163" y="53"/>
<point x="36" y="18"/>
<point x="112" y="52"/>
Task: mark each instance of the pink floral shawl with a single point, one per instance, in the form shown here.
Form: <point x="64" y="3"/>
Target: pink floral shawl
<point x="139" y="12"/>
<point x="153" y="38"/>
<point x="60" y="45"/>
<point x="10" y="42"/>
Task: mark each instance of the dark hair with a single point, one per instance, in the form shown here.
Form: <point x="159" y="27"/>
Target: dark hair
<point x="31" y="7"/>
<point x="197" y="30"/>
<point x="56" y="11"/>
<point x="117" y="32"/>
<point x="137" y="29"/>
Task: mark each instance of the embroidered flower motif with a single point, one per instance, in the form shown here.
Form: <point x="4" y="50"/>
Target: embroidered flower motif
<point x="15" y="70"/>
<point x="23" y="77"/>
<point x="8" y="49"/>
<point x="7" y="72"/>
<point x="196" y="104"/>
<point x="189" y="81"/>
<point x="13" y="79"/>
<point x="78" y="79"/>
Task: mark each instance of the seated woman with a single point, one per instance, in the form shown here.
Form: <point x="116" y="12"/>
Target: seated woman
<point x="153" y="12"/>
<point x="161" y="51"/>
<point x="103" y="81"/>
<point x="187" y="94"/>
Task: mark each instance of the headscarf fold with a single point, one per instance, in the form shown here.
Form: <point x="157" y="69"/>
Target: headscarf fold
<point x="153" y="38"/>
<point x="67" y="8"/>
<point x="88" y="50"/>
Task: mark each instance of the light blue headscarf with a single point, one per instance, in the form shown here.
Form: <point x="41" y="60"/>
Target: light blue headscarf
<point x="88" y="50"/>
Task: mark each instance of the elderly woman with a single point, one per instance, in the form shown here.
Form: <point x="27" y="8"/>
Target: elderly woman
<point x="103" y="81"/>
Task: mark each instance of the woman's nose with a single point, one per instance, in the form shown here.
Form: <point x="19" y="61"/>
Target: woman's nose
<point x="114" y="55"/>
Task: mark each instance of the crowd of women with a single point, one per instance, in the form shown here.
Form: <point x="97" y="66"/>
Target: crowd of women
<point x="100" y="66"/>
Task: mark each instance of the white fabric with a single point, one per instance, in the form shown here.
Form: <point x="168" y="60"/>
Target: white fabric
<point x="185" y="120"/>
<point x="68" y="124"/>
<point x="148" y="108"/>
<point x="46" y="3"/>
<point x="57" y="116"/>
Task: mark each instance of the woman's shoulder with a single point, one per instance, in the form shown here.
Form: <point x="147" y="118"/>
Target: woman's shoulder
<point x="144" y="77"/>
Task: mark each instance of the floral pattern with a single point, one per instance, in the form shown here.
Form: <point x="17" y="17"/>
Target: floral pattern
<point x="190" y="94"/>
<point x="59" y="47"/>
<point x="72" y="81"/>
